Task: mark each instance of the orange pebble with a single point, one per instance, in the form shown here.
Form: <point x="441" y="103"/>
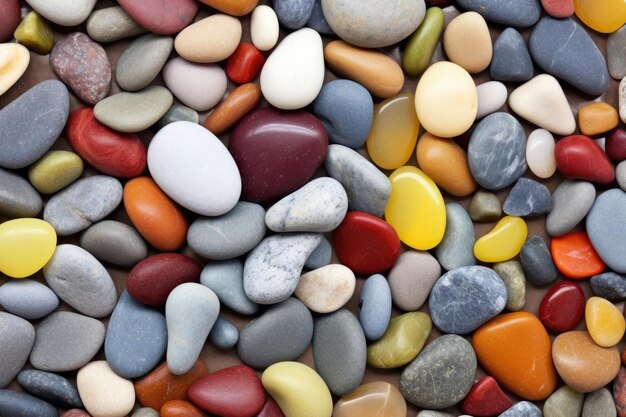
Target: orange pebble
<point x="180" y="408"/>
<point x="574" y="256"/>
<point x="596" y="118"/>
<point x="239" y="103"/>
<point x="159" y="220"/>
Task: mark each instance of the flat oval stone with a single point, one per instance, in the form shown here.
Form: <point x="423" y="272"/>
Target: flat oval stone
<point x="11" y="15"/>
<point x="375" y="307"/>
<point x="326" y="289"/>
<point x="241" y="101"/>
<point x="87" y="201"/>
<point x="491" y="97"/>
<point x="420" y="47"/>
<point x="211" y="39"/>
<point x="605" y="222"/>
<point x="571" y="201"/>
<point x="55" y="170"/>
<point x="441" y="375"/>
<point x="17" y="339"/>
<point x="158" y="17"/>
<point x="317" y="21"/>
<point x="63" y="13"/>
<point x="511" y="59"/>
<point x="615" y="48"/>
<point x="456" y="249"/>
<point x="380" y="396"/>
<point x="18" y="198"/>
<point x="608" y="285"/>
<point x="26" y="245"/>
<point x="66" y="341"/>
<point x="574" y="255"/>
<point x="540" y="153"/>
<point x="225" y="278"/>
<point x="97" y="384"/>
<point x="558" y="8"/>
<point x="199" y="86"/>
<point x="600" y="402"/>
<point x="562" y="307"/>
<point x="537" y="261"/>
<point x="321" y="255"/>
<point x="615" y="145"/>
<point x="522" y="13"/>
<point x="527" y="198"/>
<point x="604" y="321"/>
<point x="412" y="278"/>
<point x="232" y="7"/>
<point x="14" y="59"/>
<point x="223" y="335"/>
<point x="293" y="14"/>
<point x="264" y="27"/>
<point x="81" y="281"/>
<point x="467" y="42"/>
<point x="142" y="60"/>
<point x="621" y="99"/>
<point x="563" y="402"/>
<point x="485" y="207"/>
<point x="620" y="175"/>
<point x="503" y="242"/>
<point x="19" y="404"/>
<point x="486" y="398"/>
<point x="180" y="407"/>
<point x="514" y="280"/>
<point x="28" y="299"/>
<point x="580" y="157"/>
<point x="289" y="321"/>
<point x="114" y="242"/>
<point x="50" y="387"/>
<point x="112" y="24"/>
<point x="34" y="120"/>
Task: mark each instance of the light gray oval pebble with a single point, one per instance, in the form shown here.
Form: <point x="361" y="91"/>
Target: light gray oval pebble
<point x="226" y="280"/>
<point x="321" y="256"/>
<point x="142" y="61"/>
<point x="599" y="404"/>
<point x="112" y="24"/>
<point x="606" y="227"/>
<point x="620" y="175"/>
<point x="16" y="338"/>
<point x="17" y="197"/>
<point x="522" y="409"/>
<point x="114" y="242"/>
<point x="571" y="201"/>
<point x="616" y="53"/>
<point x="456" y="249"/>
<point x="28" y="299"/>
<point x="224" y="335"/>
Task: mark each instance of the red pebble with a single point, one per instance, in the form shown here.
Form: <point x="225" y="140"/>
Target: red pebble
<point x="180" y="408"/>
<point x="245" y="63"/>
<point x="152" y="280"/>
<point x="562" y="307"/>
<point x="10" y="16"/>
<point x="110" y="152"/>
<point x="616" y="145"/>
<point x="232" y="392"/>
<point x="159" y="16"/>
<point x="438" y="3"/>
<point x="558" y="8"/>
<point x="619" y="392"/>
<point x="74" y="412"/>
<point x="579" y="157"/>
<point x="270" y="409"/>
<point x="365" y="243"/>
<point x="486" y="398"/>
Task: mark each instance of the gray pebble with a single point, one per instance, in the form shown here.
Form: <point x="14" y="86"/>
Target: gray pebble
<point x="375" y="307"/>
<point x="511" y="60"/>
<point x="50" y="387"/>
<point x="457" y="246"/>
<point x="606" y="227"/>
<point x="177" y="113"/>
<point x="564" y="402"/>
<point x="599" y="404"/>
<point x="537" y="262"/>
<point x="226" y="280"/>
<point x="27" y="298"/>
<point x="432" y="413"/>
<point x="514" y="280"/>
<point x="616" y="53"/>
<point x="224" y="335"/>
<point x="528" y="198"/>
<point x="518" y="13"/>
<point x="146" y="412"/>
<point x="571" y="201"/>
<point x="142" y="61"/>
<point x="522" y="409"/>
<point x="317" y="21"/>
<point x="608" y="285"/>
<point x="19" y="404"/>
<point x="17" y="197"/>
<point x="16" y="338"/>
<point x="114" y="242"/>
<point x="485" y="207"/>
<point x="293" y="14"/>
<point x="321" y="256"/>
<point x="112" y="24"/>
<point x="412" y="278"/>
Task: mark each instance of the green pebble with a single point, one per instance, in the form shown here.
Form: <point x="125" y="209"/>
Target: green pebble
<point x="55" y="170"/>
<point x="404" y="339"/>
<point x="35" y="33"/>
<point x="564" y="402"/>
<point x="485" y="207"/>
<point x="514" y="279"/>
<point x="421" y="46"/>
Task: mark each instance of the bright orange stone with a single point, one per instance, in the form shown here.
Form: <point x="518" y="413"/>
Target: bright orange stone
<point x="515" y="349"/>
<point x="575" y="257"/>
<point x="596" y="118"/>
<point x="179" y="408"/>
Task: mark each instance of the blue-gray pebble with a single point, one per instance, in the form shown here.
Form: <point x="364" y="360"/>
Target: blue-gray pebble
<point x="19" y="404"/>
<point x="528" y="198"/>
<point x="522" y="409"/>
<point x="28" y="299"/>
<point x="375" y="306"/>
<point x="293" y="14"/>
<point x="609" y="285"/>
<point x="511" y="60"/>
<point x="518" y="13"/>
<point x="114" y="242"/>
<point x="318" y="21"/>
<point x="537" y="262"/>
<point x="225" y="278"/>
<point x="321" y="256"/>
<point x="457" y="246"/>
<point x="224" y="335"/>
<point x="606" y="227"/>
<point x="50" y="387"/>
<point x="16" y="338"/>
<point x="17" y="197"/>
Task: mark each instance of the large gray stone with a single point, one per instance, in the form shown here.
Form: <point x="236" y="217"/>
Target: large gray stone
<point x="606" y="227"/>
<point x="142" y="60"/>
<point x="571" y="201"/>
<point x="19" y="404"/>
<point x="599" y="404"/>
<point x="114" y="242"/>
<point x="50" y="387"/>
<point x="456" y="249"/>
<point x="27" y="298"/>
<point x="17" y="197"/>
<point x="16" y="338"/>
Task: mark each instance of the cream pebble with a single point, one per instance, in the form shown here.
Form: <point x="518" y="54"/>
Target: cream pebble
<point x="491" y="97"/>
<point x="211" y="39"/>
<point x="103" y="392"/>
<point x="326" y="289"/>
<point x="467" y="42"/>
<point x="264" y="28"/>
<point x="540" y="153"/>
<point x="14" y="59"/>
<point x="199" y="86"/>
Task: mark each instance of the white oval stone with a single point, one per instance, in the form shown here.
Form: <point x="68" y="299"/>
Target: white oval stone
<point x="199" y="86"/>
<point x="63" y="12"/>
<point x="540" y="153"/>
<point x="103" y="392"/>
<point x="326" y="289"/>
<point x="491" y="96"/>
<point x="14" y="59"/>
<point x="194" y="168"/>
<point x="294" y="73"/>
<point x="264" y="28"/>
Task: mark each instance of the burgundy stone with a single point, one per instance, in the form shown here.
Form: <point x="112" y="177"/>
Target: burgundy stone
<point x="270" y="409"/>
<point x="486" y="398"/>
<point x="616" y="145"/>
<point x="619" y="392"/>
<point x="579" y="157"/>
<point x="562" y="307"/>
<point x="10" y="16"/>
<point x="159" y="16"/>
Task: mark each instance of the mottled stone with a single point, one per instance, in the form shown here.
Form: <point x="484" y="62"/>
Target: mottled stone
<point x="599" y="404"/>
<point x="616" y="53"/>
<point x="608" y="285"/>
<point x="522" y="409"/>
<point x="226" y="280"/>
<point x="521" y="13"/>
<point x="571" y="201"/>
<point x="457" y="246"/>
<point x="511" y="60"/>
<point x="17" y="197"/>
<point x="16" y="337"/>
<point x="177" y="113"/>
<point x="514" y="280"/>
<point x="111" y="24"/>
<point x="62" y="12"/>
<point x="537" y="261"/>
<point x="50" y="387"/>
<point x="28" y="299"/>
<point x="114" y="242"/>
<point x="564" y="402"/>
<point x="527" y="198"/>
<point x="485" y="207"/>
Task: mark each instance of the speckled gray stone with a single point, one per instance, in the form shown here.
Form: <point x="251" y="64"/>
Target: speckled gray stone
<point x="223" y="335"/>
<point x="511" y="60"/>
<point x="114" y="242"/>
<point x="16" y="338"/>
<point x="112" y="24"/>
<point x="571" y="201"/>
<point x="66" y="341"/>
<point x="441" y="375"/>
<point x="367" y="187"/>
<point x="317" y="21"/>
<point x="321" y="256"/>
<point x="81" y="281"/>
<point x="177" y="113"/>
<point x="27" y="298"/>
<point x="86" y="201"/>
<point x="225" y="278"/>
<point x="527" y="198"/>
<point x="293" y="14"/>
<point x="17" y="197"/>
<point x="606" y="228"/>
<point x="272" y="270"/>
<point x="50" y="387"/>
<point x="375" y="306"/>
<point x="564" y="402"/>
<point x="290" y="322"/>
<point x="146" y="412"/>
<point x="599" y="404"/>
<point x="608" y="285"/>
<point x="518" y="13"/>
<point x="142" y="61"/>
<point x="456" y="249"/>
<point x="522" y="409"/>
<point x="19" y="404"/>
<point x="514" y="280"/>
<point x="616" y="53"/>
<point x="485" y="207"/>
<point x="537" y="262"/>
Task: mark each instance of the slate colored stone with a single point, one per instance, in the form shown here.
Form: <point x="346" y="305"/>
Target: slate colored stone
<point x="224" y="335"/>
<point x="17" y="197"/>
<point x="511" y="60"/>
<point x="317" y="20"/>
<point x="537" y="262"/>
<point x="293" y="14"/>
<point x="114" y="242"/>
<point x="571" y="201"/>
<point x="142" y="61"/>
<point x="225" y="278"/>
<point x="522" y="409"/>
<point x="50" y="387"/>
<point x="375" y="306"/>
<point x="616" y="53"/>
<point x="18" y="404"/>
<point x="16" y="338"/>
<point x="606" y="227"/>
<point x="527" y="198"/>
<point x="599" y="403"/>
<point x="608" y="285"/>
<point x="320" y="256"/>
<point x="457" y="246"/>
<point x="28" y="299"/>
<point x="177" y="113"/>
<point x="519" y="13"/>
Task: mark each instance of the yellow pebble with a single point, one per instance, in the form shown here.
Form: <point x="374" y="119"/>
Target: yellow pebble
<point x="604" y="16"/>
<point x="35" y="33"/>
<point x="503" y="242"/>
<point x="416" y="209"/>
<point x="55" y="170"/>
<point x="298" y="390"/>
<point x="605" y="322"/>
<point x="26" y="245"/>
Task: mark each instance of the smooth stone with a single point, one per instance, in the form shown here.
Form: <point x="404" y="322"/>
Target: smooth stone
<point x="26" y="245"/>
<point x="66" y="341"/>
<point x="50" y="387"/>
<point x="81" y="281"/>
<point x="564" y="402"/>
<point x="522" y="409"/>
<point x="225" y="278"/>
<point x="289" y="321"/>
<point x="375" y="307"/>
<point x="511" y="59"/>
<point x="420" y="47"/>
<point x="339" y="351"/>
<point x="136" y="338"/>
<point x="241" y="101"/>
<point x="199" y="86"/>
<point x="537" y="262"/>
<point x="97" y="384"/>
<point x="441" y="375"/>
<point x="321" y="256"/>
<point x="64" y="13"/>
<point x="402" y="341"/>
<point x="293" y="14"/>
<point x="618" y="391"/>
<point x="223" y="335"/>
<point x="133" y="112"/>
<point x="55" y="170"/>
<point x="542" y="102"/>
<point x="18" y="197"/>
<point x="527" y="198"/>
<point x="503" y="242"/>
<point x="599" y="404"/>
<point x="326" y="289"/>
<point x="616" y="53"/>
<point x="562" y="307"/>
<point x="521" y="13"/>
<point x="317" y="21"/>
<point x="620" y="175"/>
<point x="467" y="42"/>
<point x="264" y="28"/>
<point x="85" y="202"/>
<point x="433" y="413"/>
<point x="177" y="113"/>
<point x="492" y="96"/>
<point x="540" y="153"/>
<point x="159" y="17"/>
<point x="558" y="8"/>
<point x="14" y="60"/>
<point x="514" y="280"/>
<point x="190" y="311"/>
<point x="35" y="33"/>
<point x="11" y="16"/>
<point x="596" y="118"/>
<point x="112" y="24"/>
<point x="605" y="224"/>
<point x="17" y="337"/>
<point x="374" y="399"/>
<point x="571" y="201"/>
<point x="605" y="322"/>
<point x="211" y="39"/>
<point x="621" y="96"/>
<point x="608" y="285"/>
<point x="484" y="207"/>
<point x="145" y="412"/>
<point x="180" y="407"/>
<point x="28" y="299"/>
<point x="232" y="7"/>
<point x="19" y="404"/>
<point x="605" y="18"/>
<point x="272" y="269"/>
<point x="496" y="151"/>
<point x="412" y="278"/>
<point x="114" y="242"/>
<point x="580" y="157"/>
<point x="142" y="61"/>
<point x="222" y="238"/>
<point x="486" y="398"/>
<point x="574" y="255"/>
<point x="34" y="120"/>
<point x="457" y="246"/>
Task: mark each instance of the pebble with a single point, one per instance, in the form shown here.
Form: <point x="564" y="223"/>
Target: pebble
<point x="564" y="402"/>
<point x="144" y="412"/>
<point x="112" y="24"/>
<point x="615" y="52"/>
<point x="321" y="256"/>
<point x="142" y="61"/>
<point x="522" y="409"/>
<point x="467" y="42"/>
<point x="380" y="396"/>
<point x="244" y="64"/>
<point x="35" y="33"/>
<point x="605" y="323"/>
<point x="571" y="201"/>
<point x="412" y="278"/>
<point x="511" y="59"/>
<point x="605" y="19"/>
<point x="28" y="299"/>
<point x="441" y="375"/>
<point x="522" y="13"/>
<point x="486" y="398"/>
<point x="14" y="59"/>
<point x="26" y="245"/>
<point x="233" y="8"/>
<point x="574" y="255"/>
<point x="64" y="13"/>
<point x="537" y="262"/>
<point x="317" y="21"/>
<point x="621" y="95"/>
<point x="432" y="413"/>
<point x="608" y="285"/>
<point x="114" y="242"/>
<point x="55" y="171"/>
<point x="402" y="342"/>
<point x="620" y="175"/>
<point x="17" y="339"/>
<point x="484" y="207"/>
<point x="50" y="387"/>
<point x="293" y="14"/>
<point x="98" y="384"/>
<point x="580" y="157"/>
<point x="177" y="113"/>
<point x="190" y="311"/>
<point x="375" y="307"/>
<point x="326" y="289"/>
<point x="492" y="96"/>
<point x="86" y="201"/>
<point x="225" y="278"/>
<point x="133" y="112"/>
<point x="11" y="15"/>
<point x="596" y="118"/>
<point x="199" y="86"/>
<point x="540" y="153"/>
<point x="264" y="28"/>
<point x="514" y="280"/>
<point x="528" y="198"/>
<point x="289" y="321"/>
<point x="618" y="391"/>
<point x="211" y="39"/>
<point x="339" y="351"/>
<point x="222" y="238"/>
<point x="18" y="198"/>
<point x="503" y="242"/>
<point x="420" y="47"/>
<point x="241" y="101"/>
<point x="542" y="102"/>
<point x="558" y="8"/>
<point x="66" y="341"/>
<point x="562" y="307"/>
<point x="456" y="249"/>
<point x="48" y="104"/>
<point x="599" y="403"/>
<point x="162" y="18"/>
<point x="605" y="223"/>
<point x="19" y="404"/>
<point x="615" y="145"/>
<point x="223" y="335"/>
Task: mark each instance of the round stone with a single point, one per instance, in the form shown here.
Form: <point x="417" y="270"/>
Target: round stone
<point x="467" y="42"/>
<point x="225" y="278"/>
<point x="18" y="198"/>
<point x="97" y="384"/>
<point x="55" y="170"/>
<point x="412" y="278"/>
<point x="326" y="289"/>
<point x="199" y="86"/>
<point x="571" y="201"/>
<point x="28" y="299"/>
<point x="606" y="222"/>
<point x="17" y="340"/>
<point x="211" y="39"/>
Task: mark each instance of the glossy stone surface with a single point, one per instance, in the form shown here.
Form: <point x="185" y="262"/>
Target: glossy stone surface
<point x="540" y="153"/>
<point x="596" y="118"/>
<point x="239" y="102"/>
<point x="26" y="245"/>
<point x="374" y="399"/>
<point x="244" y="64"/>
<point x="605" y="323"/>
<point x="486" y="398"/>
<point x="562" y="307"/>
<point x="15" y="59"/>
<point x="503" y="242"/>
<point x="579" y="157"/>
<point x="605" y="222"/>
<point x="605" y="19"/>
<point x="574" y="255"/>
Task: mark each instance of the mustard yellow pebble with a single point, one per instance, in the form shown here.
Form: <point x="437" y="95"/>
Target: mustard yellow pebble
<point x="604" y="16"/>
<point x="503" y="242"/>
<point x="35" y="33"/>
<point x="55" y="170"/>
<point x="26" y="245"/>
<point x="605" y="322"/>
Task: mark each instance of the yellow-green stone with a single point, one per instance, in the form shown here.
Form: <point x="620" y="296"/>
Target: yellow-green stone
<point x="514" y="279"/>
<point x="421" y="46"/>
<point x="55" y="170"/>
<point x="35" y="33"/>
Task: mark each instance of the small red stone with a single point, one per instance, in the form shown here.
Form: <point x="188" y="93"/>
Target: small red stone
<point x="152" y="280"/>
<point x="231" y="392"/>
<point x="562" y="307"/>
<point x="270" y="409"/>
<point x="159" y="16"/>
<point x="365" y="243"/>
<point x="110" y="152"/>
<point x="180" y="408"/>
<point x="10" y="16"/>
<point x="616" y="145"/>
<point x="245" y="63"/>
<point x="579" y="157"/>
<point x="558" y="8"/>
<point x="485" y="399"/>
<point x="619" y="392"/>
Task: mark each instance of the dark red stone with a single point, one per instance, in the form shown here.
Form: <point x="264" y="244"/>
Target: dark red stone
<point x="562" y="307"/>
<point x="619" y="392"/>
<point x="277" y="152"/>
<point x="245" y="63"/>
<point x="438" y="3"/>
<point x="270" y="409"/>
<point x="365" y="243"/>
<point x="152" y="280"/>
<point x="110" y="152"/>
<point x="159" y="16"/>
<point x="10" y="16"/>
<point x="232" y="392"/>
<point x="558" y="8"/>
<point x="486" y="398"/>
<point x="616" y="145"/>
<point x="579" y="157"/>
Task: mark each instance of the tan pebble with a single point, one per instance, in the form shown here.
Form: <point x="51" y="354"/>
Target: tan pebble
<point x="467" y="42"/>
<point x="596" y="118"/>
<point x="239" y="103"/>
<point x="326" y="289"/>
<point x="375" y="399"/>
<point x="412" y="278"/>
<point x="103" y="392"/>
<point x="212" y="39"/>
<point x="14" y="59"/>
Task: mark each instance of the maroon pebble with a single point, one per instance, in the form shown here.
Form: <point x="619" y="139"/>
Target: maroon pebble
<point x="616" y="145"/>
<point x="562" y="307"/>
<point x="159" y="16"/>
<point x="579" y="157"/>
<point x="10" y="16"/>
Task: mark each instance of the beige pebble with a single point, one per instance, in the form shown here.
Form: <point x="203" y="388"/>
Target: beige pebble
<point x="467" y="42"/>
<point x="326" y="289"/>
<point x="212" y="39"/>
<point x="14" y="59"/>
<point x="622" y="99"/>
<point x="103" y="392"/>
<point x="264" y="28"/>
<point x="412" y="278"/>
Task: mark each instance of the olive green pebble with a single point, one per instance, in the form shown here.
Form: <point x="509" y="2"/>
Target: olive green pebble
<point x="421" y="46"/>
<point x="35" y="33"/>
<point x="55" y="170"/>
<point x="404" y="339"/>
<point x="564" y="402"/>
<point x="485" y="207"/>
<point x="514" y="279"/>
